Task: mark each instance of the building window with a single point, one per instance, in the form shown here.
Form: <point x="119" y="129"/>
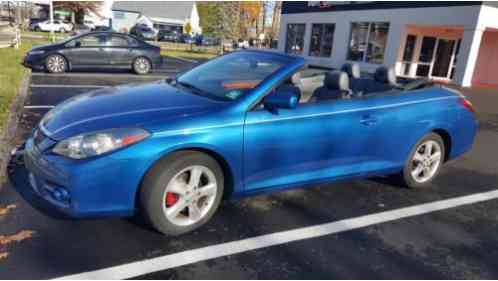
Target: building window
<point x="408" y="54"/>
<point x="368" y="41"/>
<point x="322" y="36"/>
<point x="295" y="38"/>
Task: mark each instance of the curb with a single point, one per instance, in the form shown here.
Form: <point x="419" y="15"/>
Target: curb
<point x="8" y="136"/>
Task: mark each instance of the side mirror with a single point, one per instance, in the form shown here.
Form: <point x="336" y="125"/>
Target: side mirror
<point x="285" y="97"/>
<point x="77" y="44"/>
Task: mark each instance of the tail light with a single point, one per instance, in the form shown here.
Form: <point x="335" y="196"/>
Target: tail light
<point x="467" y="104"/>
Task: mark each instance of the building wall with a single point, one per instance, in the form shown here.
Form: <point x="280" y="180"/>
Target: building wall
<point x="464" y="16"/>
<point x="486" y="69"/>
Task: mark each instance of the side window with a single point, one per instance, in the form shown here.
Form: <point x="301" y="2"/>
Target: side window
<point x="117" y="41"/>
<point x="93" y="40"/>
<point x="132" y="42"/>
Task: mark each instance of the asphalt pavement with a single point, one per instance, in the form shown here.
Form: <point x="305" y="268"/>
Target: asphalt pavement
<point x="451" y="241"/>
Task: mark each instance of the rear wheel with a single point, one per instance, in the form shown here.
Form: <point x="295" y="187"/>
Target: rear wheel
<point x="182" y="192"/>
<point x="424" y="162"/>
<point x="55" y="64"/>
<point x="141" y="65"/>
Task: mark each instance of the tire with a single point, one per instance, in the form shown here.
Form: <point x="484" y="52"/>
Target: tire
<point x="176" y="171"/>
<point x="37" y="28"/>
<point x="141" y="65"/>
<point x="423" y="166"/>
<point x="55" y="64"/>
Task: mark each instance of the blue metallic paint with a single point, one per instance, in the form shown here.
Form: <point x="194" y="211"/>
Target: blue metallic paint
<point x="263" y="150"/>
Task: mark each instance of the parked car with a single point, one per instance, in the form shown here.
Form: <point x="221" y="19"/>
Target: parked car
<point x="143" y="32"/>
<point x="186" y="38"/>
<point x="209" y="41"/>
<point x="237" y="125"/>
<point x="56" y="26"/>
<point x="168" y="36"/>
<point x="33" y="22"/>
<point x="90" y="24"/>
<point x="80" y="29"/>
<point x="95" y="50"/>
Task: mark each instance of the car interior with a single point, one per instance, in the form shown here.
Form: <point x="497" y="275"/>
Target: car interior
<point x="347" y="83"/>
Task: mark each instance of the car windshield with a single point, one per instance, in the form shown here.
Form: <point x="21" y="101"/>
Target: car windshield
<point x="231" y="76"/>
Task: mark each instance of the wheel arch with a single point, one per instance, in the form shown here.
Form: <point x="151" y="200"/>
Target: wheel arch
<point x="229" y="177"/>
<point x="447" y="140"/>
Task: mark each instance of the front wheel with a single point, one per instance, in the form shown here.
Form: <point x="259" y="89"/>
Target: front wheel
<point x="55" y="64"/>
<point x="182" y="192"/>
<point x="141" y="66"/>
<point x="424" y="162"/>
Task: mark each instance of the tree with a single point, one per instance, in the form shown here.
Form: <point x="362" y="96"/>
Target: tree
<point x="79" y="8"/>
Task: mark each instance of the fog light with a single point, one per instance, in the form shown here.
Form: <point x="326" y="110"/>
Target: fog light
<point x="60" y="194"/>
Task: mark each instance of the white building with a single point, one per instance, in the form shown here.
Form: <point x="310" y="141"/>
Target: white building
<point x="448" y="41"/>
<point x="162" y="15"/>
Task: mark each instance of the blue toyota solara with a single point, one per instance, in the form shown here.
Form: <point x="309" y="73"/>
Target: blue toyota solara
<point x="240" y="124"/>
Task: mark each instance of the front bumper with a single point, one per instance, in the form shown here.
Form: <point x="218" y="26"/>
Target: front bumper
<point x="33" y="62"/>
<point x="100" y="187"/>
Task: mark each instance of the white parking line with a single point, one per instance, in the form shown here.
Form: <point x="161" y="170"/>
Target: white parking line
<point x="182" y="59"/>
<point x="66" y="86"/>
<point x="39" y="106"/>
<point x="147" y="266"/>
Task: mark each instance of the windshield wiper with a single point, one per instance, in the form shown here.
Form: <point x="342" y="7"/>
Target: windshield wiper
<point x="193" y="87"/>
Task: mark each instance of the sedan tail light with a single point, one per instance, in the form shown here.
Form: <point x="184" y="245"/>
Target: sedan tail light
<point x="467" y="104"/>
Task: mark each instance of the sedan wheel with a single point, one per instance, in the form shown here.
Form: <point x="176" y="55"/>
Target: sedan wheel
<point x="182" y="192"/>
<point x="425" y="161"/>
<point x="55" y="64"/>
<point x="141" y="66"/>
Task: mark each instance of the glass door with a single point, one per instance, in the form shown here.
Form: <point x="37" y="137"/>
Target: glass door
<point x="426" y="56"/>
<point x="443" y="58"/>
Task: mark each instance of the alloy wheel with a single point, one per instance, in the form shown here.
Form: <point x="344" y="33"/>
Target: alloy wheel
<point x="142" y="65"/>
<point x="189" y="195"/>
<point x="426" y="161"/>
<point x="56" y="64"/>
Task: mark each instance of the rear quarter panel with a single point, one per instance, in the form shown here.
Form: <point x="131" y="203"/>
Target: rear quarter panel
<point x="405" y="118"/>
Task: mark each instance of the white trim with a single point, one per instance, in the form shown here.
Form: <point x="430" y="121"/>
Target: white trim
<point x="66" y="86"/>
<point x="39" y="106"/>
<point x="140" y="268"/>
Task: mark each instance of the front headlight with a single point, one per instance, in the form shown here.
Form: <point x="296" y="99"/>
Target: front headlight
<point x="96" y="143"/>
<point x="36" y="52"/>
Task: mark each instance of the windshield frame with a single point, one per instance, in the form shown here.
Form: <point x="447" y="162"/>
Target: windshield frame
<point x="285" y="59"/>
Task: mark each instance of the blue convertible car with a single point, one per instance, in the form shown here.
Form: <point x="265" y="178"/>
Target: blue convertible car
<point x="239" y="124"/>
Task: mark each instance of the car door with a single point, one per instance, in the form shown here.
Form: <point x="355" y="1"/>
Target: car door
<point x="88" y="50"/>
<point x="312" y="142"/>
<point x="121" y="50"/>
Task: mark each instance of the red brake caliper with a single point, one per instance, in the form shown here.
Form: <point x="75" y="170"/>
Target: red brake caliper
<point x="171" y="199"/>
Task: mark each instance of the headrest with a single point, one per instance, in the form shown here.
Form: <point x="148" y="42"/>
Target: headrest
<point x="352" y="69"/>
<point x="296" y="78"/>
<point x="336" y="80"/>
<point x="385" y="75"/>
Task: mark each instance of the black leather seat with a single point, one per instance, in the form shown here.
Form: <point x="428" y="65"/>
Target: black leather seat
<point x="384" y="79"/>
<point x="335" y="86"/>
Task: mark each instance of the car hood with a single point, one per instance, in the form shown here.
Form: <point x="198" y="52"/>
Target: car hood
<point x="123" y="106"/>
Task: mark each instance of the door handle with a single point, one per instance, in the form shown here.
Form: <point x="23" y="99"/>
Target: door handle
<point x="368" y="120"/>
